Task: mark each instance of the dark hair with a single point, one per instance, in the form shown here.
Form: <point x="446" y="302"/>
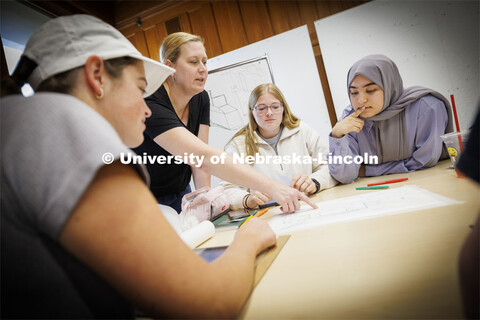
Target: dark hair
<point x="61" y="83"/>
<point x="65" y="81"/>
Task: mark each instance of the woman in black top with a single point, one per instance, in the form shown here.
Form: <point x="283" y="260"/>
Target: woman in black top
<point x="179" y="127"/>
<point x="181" y="102"/>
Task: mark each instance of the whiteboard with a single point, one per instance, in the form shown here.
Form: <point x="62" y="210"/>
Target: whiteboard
<point x="434" y="44"/>
<point x="229" y="89"/>
<point x="295" y="72"/>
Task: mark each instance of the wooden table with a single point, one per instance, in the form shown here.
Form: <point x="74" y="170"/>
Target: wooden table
<point x="397" y="266"/>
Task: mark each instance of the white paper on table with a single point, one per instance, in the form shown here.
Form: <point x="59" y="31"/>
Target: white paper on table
<point x="362" y="206"/>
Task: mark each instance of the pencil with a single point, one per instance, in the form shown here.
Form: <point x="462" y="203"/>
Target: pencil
<point x="454" y="109"/>
<point x="257" y="215"/>
<point x="245" y="221"/>
<point x="372" y="188"/>
<point x="386" y="182"/>
<point x="261" y="212"/>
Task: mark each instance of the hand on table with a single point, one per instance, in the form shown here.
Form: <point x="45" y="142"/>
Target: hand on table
<point x="257" y="198"/>
<point x="288" y="198"/>
<point x="259" y="232"/>
<point x="303" y="183"/>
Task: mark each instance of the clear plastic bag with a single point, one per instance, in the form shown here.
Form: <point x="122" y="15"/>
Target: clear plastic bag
<point x="203" y="204"/>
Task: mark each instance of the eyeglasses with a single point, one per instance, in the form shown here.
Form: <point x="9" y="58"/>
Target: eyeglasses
<point x="274" y="107"/>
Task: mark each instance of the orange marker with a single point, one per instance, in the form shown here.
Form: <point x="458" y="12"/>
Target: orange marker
<point x="257" y="215"/>
<point x="260" y="213"/>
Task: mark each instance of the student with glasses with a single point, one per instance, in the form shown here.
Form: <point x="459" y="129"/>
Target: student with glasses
<point x="273" y="132"/>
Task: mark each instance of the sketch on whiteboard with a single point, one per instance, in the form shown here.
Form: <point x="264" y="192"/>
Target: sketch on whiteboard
<point x="229" y="88"/>
<point x="223" y="114"/>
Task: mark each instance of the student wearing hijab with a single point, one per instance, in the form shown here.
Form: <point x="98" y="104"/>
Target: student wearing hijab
<point x="273" y="130"/>
<point x="401" y="126"/>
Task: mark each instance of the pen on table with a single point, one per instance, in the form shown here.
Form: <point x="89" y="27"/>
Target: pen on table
<point x="387" y="182"/>
<point x="372" y="188"/>
<point x="257" y="215"/>
<point x="266" y="205"/>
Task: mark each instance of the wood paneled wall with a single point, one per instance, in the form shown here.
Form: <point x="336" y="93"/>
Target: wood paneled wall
<point x="229" y="25"/>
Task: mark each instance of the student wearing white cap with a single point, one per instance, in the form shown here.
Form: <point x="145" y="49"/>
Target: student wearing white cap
<point x="81" y="233"/>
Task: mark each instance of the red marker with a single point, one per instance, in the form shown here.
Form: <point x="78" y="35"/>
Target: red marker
<point x="387" y="182"/>
<point x="454" y="109"/>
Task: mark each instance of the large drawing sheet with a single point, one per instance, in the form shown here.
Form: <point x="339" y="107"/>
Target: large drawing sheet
<point x="363" y="206"/>
<point x="434" y="44"/>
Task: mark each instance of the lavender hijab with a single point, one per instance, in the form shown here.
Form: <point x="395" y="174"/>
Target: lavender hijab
<point x="390" y="130"/>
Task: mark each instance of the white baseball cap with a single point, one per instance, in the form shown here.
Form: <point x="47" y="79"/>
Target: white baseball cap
<point x="65" y="43"/>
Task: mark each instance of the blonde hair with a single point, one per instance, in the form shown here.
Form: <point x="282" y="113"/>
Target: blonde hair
<point x="170" y="48"/>
<point x="289" y="120"/>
